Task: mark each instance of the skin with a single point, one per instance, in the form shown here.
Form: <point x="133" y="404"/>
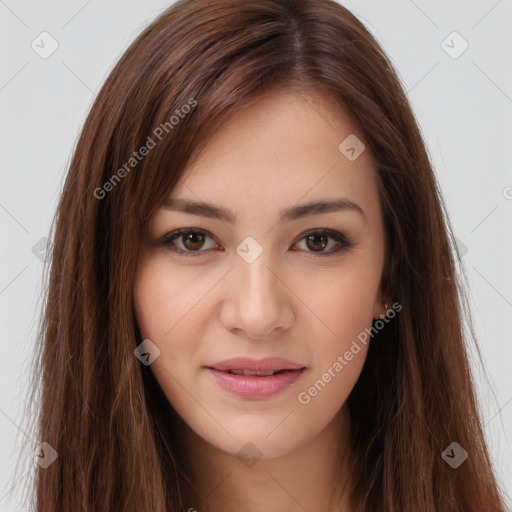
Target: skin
<point x="290" y="302"/>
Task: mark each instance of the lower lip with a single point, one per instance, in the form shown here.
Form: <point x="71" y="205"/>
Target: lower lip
<point x="253" y="386"/>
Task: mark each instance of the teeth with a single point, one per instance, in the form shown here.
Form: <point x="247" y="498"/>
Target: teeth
<point x="249" y="372"/>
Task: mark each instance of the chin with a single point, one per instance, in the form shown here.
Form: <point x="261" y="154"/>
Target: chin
<point x="256" y="437"/>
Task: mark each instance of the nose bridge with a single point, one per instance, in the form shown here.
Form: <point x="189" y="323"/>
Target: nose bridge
<point x="257" y="278"/>
<point x="261" y="302"/>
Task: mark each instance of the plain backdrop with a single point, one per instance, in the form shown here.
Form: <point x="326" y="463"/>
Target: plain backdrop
<point x="453" y="59"/>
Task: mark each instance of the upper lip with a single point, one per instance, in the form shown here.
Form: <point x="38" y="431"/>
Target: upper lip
<point x="246" y="363"/>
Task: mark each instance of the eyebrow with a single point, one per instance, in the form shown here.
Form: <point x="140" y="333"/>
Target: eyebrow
<point x="288" y="214"/>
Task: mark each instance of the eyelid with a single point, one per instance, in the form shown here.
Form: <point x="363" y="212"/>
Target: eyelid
<point x="340" y="238"/>
<point x="169" y="238"/>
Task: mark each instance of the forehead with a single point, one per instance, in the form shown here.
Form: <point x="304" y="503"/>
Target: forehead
<point x="279" y="149"/>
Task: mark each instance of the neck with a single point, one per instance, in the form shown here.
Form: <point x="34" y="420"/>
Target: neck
<point x="313" y="477"/>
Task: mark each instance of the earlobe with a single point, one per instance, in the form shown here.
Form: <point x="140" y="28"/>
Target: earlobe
<point x="380" y="309"/>
<point x="383" y="315"/>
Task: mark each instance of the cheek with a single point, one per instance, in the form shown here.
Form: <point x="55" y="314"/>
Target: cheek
<point x="154" y="299"/>
<point x="344" y="306"/>
<point x="338" y="360"/>
<point x="326" y="392"/>
<point x="163" y="298"/>
<point x="148" y="292"/>
<point x="167" y="307"/>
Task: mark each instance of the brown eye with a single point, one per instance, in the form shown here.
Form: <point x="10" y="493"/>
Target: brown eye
<point x="317" y="242"/>
<point x="192" y="241"/>
<point x="189" y="242"/>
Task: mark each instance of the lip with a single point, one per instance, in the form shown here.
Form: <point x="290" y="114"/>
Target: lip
<point x="266" y="364"/>
<point x="254" y="386"/>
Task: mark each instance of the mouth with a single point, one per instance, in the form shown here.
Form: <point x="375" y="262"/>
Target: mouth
<point x="257" y="373"/>
<point x="266" y="366"/>
<point x="256" y="383"/>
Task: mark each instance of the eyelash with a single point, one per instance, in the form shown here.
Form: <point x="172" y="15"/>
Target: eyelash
<point x="338" y="237"/>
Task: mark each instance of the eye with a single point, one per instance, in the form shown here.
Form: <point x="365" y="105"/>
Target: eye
<point x="192" y="242"/>
<point x="318" y="240"/>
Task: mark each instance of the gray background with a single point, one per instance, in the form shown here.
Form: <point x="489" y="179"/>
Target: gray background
<point x="463" y="106"/>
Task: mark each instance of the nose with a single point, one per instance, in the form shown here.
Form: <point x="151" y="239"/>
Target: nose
<point x="257" y="302"/>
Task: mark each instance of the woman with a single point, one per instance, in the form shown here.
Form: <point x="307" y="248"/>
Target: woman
<point x="253" y="302"/>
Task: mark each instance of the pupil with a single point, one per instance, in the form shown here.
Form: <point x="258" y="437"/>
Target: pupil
<point x="314" y="239"/>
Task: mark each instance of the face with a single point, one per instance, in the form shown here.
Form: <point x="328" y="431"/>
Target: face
<point x="258" y="276"/>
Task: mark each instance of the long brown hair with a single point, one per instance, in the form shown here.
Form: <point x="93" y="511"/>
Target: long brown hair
<point x="102" y="410"/>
